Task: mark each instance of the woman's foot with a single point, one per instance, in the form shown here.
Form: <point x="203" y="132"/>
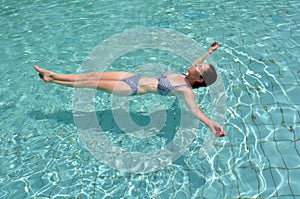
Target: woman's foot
<point x="43" y="73"/>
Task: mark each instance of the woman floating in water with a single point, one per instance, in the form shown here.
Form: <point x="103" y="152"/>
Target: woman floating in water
<point x="125" y="83"/>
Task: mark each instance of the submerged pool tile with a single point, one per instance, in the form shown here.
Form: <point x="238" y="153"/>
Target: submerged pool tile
<point x="281" y="180"/>
<point x="274" y="156"/>
<point x="289" y="154"/>
<point x="290" y="114"/>
<point x="248" y="185"/>
<point x="213" y="189"/>
<point x="293" y="93"/>
<point x="268" y="184"/>
<point x="262" y="132"/>
<point x="261" y="114"/>
<point x="294" y="181"/>
<point x="280" y="95"/>
<point x="231" y="185"/>
<point x="243" y="111"/>
<point x="284" y="134"/>
<point x="287" y="77"/>
<point x="298" y="145"/>
<point x="267" y="98"/>
<point x="242" y="97"/>
<point x="277" y="114"/>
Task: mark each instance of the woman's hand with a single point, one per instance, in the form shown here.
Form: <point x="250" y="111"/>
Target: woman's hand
<point x="217" y="129"/>
<point x="213" y="47"/>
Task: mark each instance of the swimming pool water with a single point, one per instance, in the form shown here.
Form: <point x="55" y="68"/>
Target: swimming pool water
<point x="41" y="155"/>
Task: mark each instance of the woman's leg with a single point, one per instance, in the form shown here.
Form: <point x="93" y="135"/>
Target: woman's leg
<point x="49" y="76"/>
<point x="108" y="81"/>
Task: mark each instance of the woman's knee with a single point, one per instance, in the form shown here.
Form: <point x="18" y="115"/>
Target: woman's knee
<point x="93" y="76"/>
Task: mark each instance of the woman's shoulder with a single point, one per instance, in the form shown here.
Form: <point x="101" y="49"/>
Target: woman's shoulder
<point x="185" y="90"/>
<point x="166" y="73"/>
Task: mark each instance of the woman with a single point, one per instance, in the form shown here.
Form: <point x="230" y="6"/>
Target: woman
<point x="125" y="83"/>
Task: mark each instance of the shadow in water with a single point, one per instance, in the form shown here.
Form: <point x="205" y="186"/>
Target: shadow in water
<point x="107" y="122"/>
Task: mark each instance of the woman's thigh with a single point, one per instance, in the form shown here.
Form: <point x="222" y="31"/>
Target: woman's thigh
<point x="111" y="76"/>
<point x="114" y="86"/>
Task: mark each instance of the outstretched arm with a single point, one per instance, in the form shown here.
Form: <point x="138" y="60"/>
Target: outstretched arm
<point x="211" y="49"/>
<point x="216" y="128"/>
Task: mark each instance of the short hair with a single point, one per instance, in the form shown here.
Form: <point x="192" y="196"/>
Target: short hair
<point x="209" y="77"/>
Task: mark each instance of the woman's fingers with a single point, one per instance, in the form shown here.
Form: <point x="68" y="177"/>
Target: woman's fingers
<point x="221" y="133"/>
<point x="218" y="130"/>
<point x="214" y="45"/>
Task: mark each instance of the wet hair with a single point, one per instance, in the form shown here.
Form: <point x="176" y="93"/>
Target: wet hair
<point x="209" y="77"/>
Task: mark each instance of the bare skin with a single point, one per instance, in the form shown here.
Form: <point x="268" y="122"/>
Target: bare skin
<point x="112" y="82"/>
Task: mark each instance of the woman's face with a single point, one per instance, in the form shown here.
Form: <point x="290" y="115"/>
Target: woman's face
<point x="197" y="70"/>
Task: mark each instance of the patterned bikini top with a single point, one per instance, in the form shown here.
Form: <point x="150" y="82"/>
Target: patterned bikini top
<point x="164" y="86"/>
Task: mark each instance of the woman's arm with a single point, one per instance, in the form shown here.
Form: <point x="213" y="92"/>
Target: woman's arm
<point x="212" y="48"/>
<point x="193" y="107"/>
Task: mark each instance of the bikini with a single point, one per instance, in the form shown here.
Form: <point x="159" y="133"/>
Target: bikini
<point x="164" y="86"/>
<point x="133" y="82"/>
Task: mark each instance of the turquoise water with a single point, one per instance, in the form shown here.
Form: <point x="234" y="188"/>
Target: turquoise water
<point x="41" y="154"/>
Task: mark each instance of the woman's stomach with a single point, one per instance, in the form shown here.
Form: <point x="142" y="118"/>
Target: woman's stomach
<point x="147" y="85"/>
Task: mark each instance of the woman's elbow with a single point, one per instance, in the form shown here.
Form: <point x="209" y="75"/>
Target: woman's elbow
<point x="195" y="111"/>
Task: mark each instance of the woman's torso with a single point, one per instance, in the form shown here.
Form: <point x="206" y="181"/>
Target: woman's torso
<point x="163" y="84"/>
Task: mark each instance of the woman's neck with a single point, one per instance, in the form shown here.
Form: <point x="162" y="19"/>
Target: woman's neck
<point x="190" y="80"/>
